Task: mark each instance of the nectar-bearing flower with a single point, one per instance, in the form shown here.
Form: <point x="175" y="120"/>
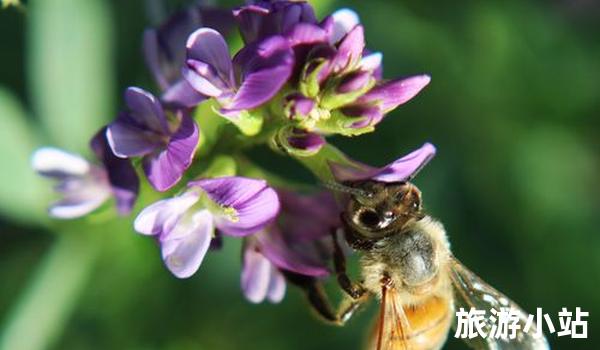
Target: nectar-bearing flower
<point x="400" y="170"/>
<point x="299" y="241"/>
<point x="166" y="142"/>
<point x="85" y="186"/>
<point x="252" y="77"/>
<point x="164" y="51"/>
<point x="184" y="225"/>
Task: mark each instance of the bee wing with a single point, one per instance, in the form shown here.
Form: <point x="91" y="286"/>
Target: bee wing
<point x="391" y="325"/>
<point x="472" y="292"/>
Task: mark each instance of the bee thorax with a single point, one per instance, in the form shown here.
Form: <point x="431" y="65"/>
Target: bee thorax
<point x="410" y="259"/>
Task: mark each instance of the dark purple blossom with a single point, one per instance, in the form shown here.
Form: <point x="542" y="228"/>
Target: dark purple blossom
<point x="85" y="186"/>
<point x="299" y="241"/>
<point x="167" y="146"/>
<point x="184" y="225"/>
<point x="164" y="51"/>
<point x="400" y="170"/>
<point x="261" y="19"/>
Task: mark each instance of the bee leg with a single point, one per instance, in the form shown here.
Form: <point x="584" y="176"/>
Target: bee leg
<point x="348" y="306"/>
<point x="355" y="290"/>
<point x="316" y="295"/>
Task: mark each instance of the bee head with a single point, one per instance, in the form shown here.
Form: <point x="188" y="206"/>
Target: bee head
<point x="380" y="209"/>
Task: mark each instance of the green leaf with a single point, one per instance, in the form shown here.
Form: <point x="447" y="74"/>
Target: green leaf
<point x="22" y="192"/>
<point x="70" y="68"/>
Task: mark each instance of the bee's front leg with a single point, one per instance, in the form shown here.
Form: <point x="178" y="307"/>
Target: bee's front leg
<point x="354" y="290"/>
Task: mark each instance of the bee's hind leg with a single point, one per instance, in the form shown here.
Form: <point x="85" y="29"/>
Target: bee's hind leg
<point x="354" y="290"/>
<point x="319" y="301"/>
<point x="316" y="295"/>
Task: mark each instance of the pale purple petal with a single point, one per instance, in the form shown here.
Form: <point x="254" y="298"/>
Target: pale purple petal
<point x="266" y="67"/>
<point x="350" y="50"/>
<point x="403" y="169"/>
<point x="208" y="46"/>
<point x="181" y="95"/>
<point x="255" y="203"/>
<point x="203" y="78"/>
<point x="145" y="110"/>
<point x="393" y="93"/>
<point x="122" y="177"/>
<point x="371" y="62"/>
<point x="129" y="140"/>
<point x="165" y="168"/>
<point x="161" y="216"/>
<point x="344" y="20"/>
<point x="184" y="247"/>
<point x="256" y="275"/>
<point x="276" y="290"/>
<point x="75" y="207"/>
<point x="54" y="162"/>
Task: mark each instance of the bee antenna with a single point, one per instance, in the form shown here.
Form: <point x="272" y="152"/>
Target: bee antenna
<point x="334" y="186"/>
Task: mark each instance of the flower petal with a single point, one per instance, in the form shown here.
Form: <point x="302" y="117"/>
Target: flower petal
<point x="161" y="216"/>
<point x="393" y="93"/>
<point x="276" y="290"/>
<point x="122" y="177"/>
<point x="343" y="21"/>
<point x="305" y="141"/>
<point x="256" y="275"/>
<point x="145" y="110"/>
<point x="165" y="168"/>
<point x="255" y="203"/>
<point x="306" y="33"/>
<point x="129" y="140"/>
<point x="250" y="19"/>
<point x="54" y="162"/>
<point x="184" y="247"/>
<point x="74" y="207"/>
<point x="266" y="68"/>
<point x="321" y="208"/>
<point x="298" y="258"/>
<point x="208" y="46"/>
<point x="403" y="169"/>
<point x="350" y="50"/>
<point x="371" y="62"/>
<point x="202" y="78"/>
<point x="181" y="95"/>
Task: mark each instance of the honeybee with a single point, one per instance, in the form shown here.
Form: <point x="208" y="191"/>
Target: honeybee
<point x="407" y="264"/>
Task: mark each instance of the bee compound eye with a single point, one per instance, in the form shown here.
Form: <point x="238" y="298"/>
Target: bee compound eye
<point x="369" y="218"/>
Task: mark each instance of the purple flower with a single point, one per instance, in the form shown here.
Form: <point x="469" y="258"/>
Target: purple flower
<point x="299" y="241"/>
<point x="400" y="170"/>
<point x="390" y="94"/>
<point x="85" y="186"/>
<point x="164" y="51"/>
<point x="167" y="146"/>
<point x="184" y="225"/>
<point x="255" y="75"/>
<point x="262" y="19"/>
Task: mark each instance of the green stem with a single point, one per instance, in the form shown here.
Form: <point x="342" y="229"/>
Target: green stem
<point x="39" y="317"/>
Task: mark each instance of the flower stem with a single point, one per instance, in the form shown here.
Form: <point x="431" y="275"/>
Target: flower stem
<point x="38" y="318"/>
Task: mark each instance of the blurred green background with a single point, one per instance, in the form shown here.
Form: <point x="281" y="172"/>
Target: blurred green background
<point x="513" y="107"/>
